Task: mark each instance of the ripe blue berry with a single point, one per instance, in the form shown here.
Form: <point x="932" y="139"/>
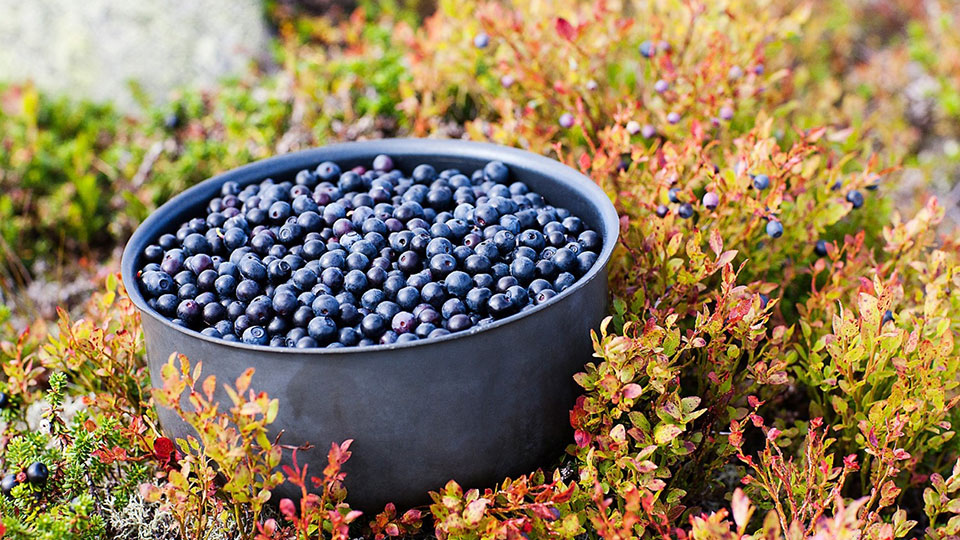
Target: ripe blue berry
<point x="820" y="248"/>
<point x="761" y="181"/>
<point x="774" y="228"/>
<point x="711" y="200"/>
<point x="685" y="211"/>
<point x="647" y="49"/>
<point x="855" y="198"/>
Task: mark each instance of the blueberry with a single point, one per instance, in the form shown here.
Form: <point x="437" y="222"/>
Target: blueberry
<point x="477" y="298"/>
<point x="213" y="313"/>
<point x="518" y="295"/>
<point x="855" y="198"/>
<point x="157" y="283"/>
<point x="761" y="181"/>
<point x="496" y="171"/>
<point x="441" y="265"/>
<point x="355" y="281"/>
<point x="196" y="243"/>
<point x="322" y="329"/>
<point x="279" y="271"/>
<point x="564" y="281"/>
<point x="433" y="293"/>
<point x="459" y="323"/>
<point x="247" y="290"/>
<point x="253" y="269"/>
<point x="500" y="306"/>
<point x="372" y="325"/>
<point x="566" y="120"/>
<point x="452" y="307"/>
<point x="532" y="239"/>
<point x="285" y="303"/>
<point x="647" y="49"/>
<point x="590" y="240"/>
<point x="544" y="295"/>
<point x="887" y="317"/>
<point x="711" y="200"/>
<point x="325" y="305"/>
<point x="820" y="248"/>
<point x="403" y="322"/>
<point x="305" y="278"/>
<point x="327" y="171"/>
<point x="685" y="211"/>
<point x="458" y="283"/>
<point x="481" y="40"/>
<point x="408" y="297"/>
<point x="256" y="335"/>
<point x="387" y="310"/>
<point x="774" y="229"/>
<point x="523" y="269"/>
<point x="189" y="312"/>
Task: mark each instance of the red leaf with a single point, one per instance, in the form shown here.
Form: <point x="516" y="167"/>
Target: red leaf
<point x="582" y="438"/>
<point x="584" y="162"/>
<point x="565" y="29"/>
<point x="287" y="508"/>
<point x="632" y="390"/>
<point x="163" y="448"/>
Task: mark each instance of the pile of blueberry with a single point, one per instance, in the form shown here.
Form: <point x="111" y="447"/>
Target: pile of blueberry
<point x="360" y="257"/>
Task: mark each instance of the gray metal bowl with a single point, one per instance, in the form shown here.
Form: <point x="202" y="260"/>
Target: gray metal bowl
<point x="475" y="406"/>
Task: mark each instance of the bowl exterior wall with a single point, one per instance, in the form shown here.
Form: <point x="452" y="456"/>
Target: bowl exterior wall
<point x="491" y="405"/>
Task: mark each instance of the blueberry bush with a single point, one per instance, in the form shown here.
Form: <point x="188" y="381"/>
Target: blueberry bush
<point x="779" y="360"/>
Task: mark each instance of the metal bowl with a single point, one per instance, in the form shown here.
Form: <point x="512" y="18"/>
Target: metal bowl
<point x="474" y="406"/>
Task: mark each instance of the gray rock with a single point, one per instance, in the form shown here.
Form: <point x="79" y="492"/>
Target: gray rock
<point x="93" y="48"/>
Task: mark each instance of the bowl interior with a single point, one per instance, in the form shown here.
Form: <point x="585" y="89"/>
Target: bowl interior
<point x="560" y="185"/>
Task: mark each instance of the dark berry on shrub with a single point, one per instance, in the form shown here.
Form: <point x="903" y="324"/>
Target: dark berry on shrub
<point x="647" y="49"/>
<point x="481" y="40"/>
<point x="761" y="181"/>
<point x="710" y="200"/>
<point x="887" y="317"/>
<point x="8" y="483"/>
<point x="4" y="400"/>
<point x="855" y="198"/>
<point x="820" y="248"/>
<point x="37" y="473"/>
<point x="774" y="229"/>
<point x="685" y="211"/>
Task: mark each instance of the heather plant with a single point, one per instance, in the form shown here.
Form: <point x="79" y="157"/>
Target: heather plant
<point x="779" y="360"/>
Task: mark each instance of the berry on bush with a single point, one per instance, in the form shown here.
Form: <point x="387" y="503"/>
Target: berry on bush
<point x="774" y="228"/>
<point x="855" y="198"/>
<point x="761" y="181"/>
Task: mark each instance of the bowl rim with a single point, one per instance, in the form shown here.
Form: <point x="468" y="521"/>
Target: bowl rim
<point x="435" y="149"/>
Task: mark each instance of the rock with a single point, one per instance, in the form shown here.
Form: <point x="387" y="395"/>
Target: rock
<point x="92" y="49"/>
